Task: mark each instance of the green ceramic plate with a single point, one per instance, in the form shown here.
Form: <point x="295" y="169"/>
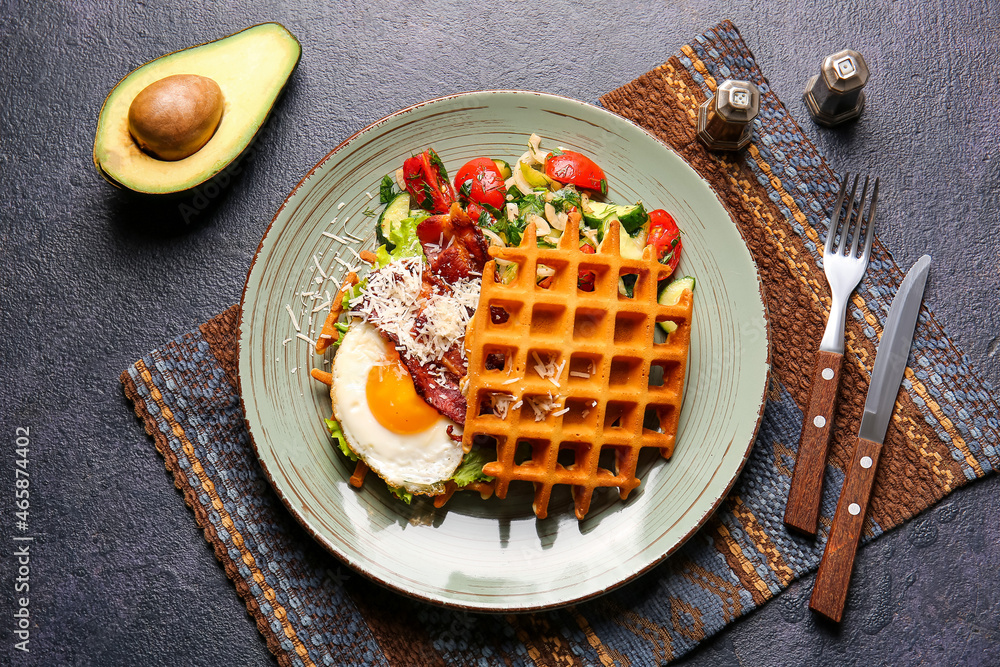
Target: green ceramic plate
<point x="494" y="555"/>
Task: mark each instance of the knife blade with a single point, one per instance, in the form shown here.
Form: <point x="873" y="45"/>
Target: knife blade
<point x="834" y="575"/>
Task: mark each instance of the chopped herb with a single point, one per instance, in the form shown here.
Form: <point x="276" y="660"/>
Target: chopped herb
<point x="626" y="285"/>
<point x="386" y="190"/>
<point x="438" y="164"/>
<point x="368" y="213"/>
<point x="465" y="191"/>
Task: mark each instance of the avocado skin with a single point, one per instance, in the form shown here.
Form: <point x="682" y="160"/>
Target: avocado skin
<point x="121" y="162"/>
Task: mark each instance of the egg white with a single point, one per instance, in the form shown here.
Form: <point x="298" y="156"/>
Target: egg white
<point x="418" y="462"/>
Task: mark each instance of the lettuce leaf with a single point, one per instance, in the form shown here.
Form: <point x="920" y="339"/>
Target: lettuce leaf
<point x="471" y="468"/>
<point x="352" y="293"/>
<point x="400" y="493"/>
<point x="403" y="237"/>
<point x="338" y="435"/>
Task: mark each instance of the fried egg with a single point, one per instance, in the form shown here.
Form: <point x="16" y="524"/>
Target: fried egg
<point x="386" y="423"/>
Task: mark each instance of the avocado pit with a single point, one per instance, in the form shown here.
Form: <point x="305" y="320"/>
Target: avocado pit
<point x="172" y="118"/>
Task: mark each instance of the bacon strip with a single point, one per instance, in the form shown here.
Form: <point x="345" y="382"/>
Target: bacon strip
<point x="449" y="259"/>
<point x="455" y="249"/>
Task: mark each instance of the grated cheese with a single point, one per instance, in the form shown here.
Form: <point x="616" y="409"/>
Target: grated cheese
<point x="547" y="369"/>
<point x="501" y="404"/>
<point x="542" y="405"/>
<point x="295" y="322"/>
<point x="319" y="268"/>
<point x="391" y="303"/>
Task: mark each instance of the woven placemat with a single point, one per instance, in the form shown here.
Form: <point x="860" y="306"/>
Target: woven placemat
<point x="313" y="610"/>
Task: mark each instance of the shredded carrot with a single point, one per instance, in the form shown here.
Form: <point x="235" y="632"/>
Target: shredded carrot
<point x="367" y="256"/>
<point x="323" y="376"/>
<point x="358" y="478"/>
<point x="330" y="334"/>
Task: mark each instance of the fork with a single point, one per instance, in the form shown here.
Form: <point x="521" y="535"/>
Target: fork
<point x="843" y="273"/>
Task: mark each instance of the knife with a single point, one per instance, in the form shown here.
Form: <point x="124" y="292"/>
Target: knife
<point x="830" y="589"/>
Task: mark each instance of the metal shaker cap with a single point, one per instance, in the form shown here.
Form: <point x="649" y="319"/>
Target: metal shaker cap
<point x="836" y="94"/>
<point x="725" y="119"/>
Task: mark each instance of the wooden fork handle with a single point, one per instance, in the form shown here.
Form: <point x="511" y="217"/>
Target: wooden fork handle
<point x="830" y="589"/>
<point x="802" y="508"/>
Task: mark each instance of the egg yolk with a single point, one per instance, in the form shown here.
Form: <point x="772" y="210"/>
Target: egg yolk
<point x="394" y="401"/>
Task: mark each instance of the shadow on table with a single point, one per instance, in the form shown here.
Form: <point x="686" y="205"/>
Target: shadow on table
<point x="167" y="216"/>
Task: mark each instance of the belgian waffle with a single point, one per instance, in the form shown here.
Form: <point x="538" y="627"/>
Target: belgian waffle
<point x="584" y="358"/>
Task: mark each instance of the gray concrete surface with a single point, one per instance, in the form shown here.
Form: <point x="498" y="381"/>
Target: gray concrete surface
<point x="92" y="279"/>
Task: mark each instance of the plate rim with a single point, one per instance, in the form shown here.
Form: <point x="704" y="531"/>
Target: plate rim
<point x="327" y="544"/>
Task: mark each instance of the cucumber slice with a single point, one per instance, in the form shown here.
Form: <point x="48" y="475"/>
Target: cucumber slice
<point x="670" y="295"/>
<point x="632" y="217"/>
<point x="504" y="168"/>
<point x="533" y="177"/>
<point x="630" y="246"/>
<point x="594" y="213"/>
<point x="398" y="209"/>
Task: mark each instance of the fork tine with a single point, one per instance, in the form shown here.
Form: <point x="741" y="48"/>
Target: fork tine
<point x="831" y="233"/>
<point x="856" y="234"/>
<point x="847" y="218"/>
<point x="870" y="235"/>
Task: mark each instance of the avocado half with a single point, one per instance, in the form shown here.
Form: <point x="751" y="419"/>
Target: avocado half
<point x="251" y="67"/>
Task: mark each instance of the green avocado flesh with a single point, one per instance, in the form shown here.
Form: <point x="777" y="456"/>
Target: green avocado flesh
<point x="251" y="67"/>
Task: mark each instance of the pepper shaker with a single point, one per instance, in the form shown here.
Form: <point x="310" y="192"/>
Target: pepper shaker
<point x="836" y="94"/>
<point x="725" y="119"/>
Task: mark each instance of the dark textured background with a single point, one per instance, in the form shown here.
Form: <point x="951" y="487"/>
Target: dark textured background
<point x="91" y="279"/>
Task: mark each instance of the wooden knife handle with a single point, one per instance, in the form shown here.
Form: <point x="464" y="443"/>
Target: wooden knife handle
<point x="830" y="590"/>
<point x="802" y="508"/>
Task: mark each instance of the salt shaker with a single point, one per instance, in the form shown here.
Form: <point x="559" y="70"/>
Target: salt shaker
<point x="725" y="119"/>
<point x="837" y="93"/>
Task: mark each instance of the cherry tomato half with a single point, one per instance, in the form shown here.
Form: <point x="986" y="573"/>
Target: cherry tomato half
<point x="476" y="212"/>
<point x="665" y="238"/>
<point x="480" y="181"/>
<point x="427" y="182"/>
<point x="576" y="168"/>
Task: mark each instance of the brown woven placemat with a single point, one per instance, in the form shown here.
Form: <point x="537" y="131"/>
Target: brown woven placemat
<point x="311" y="610"/>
